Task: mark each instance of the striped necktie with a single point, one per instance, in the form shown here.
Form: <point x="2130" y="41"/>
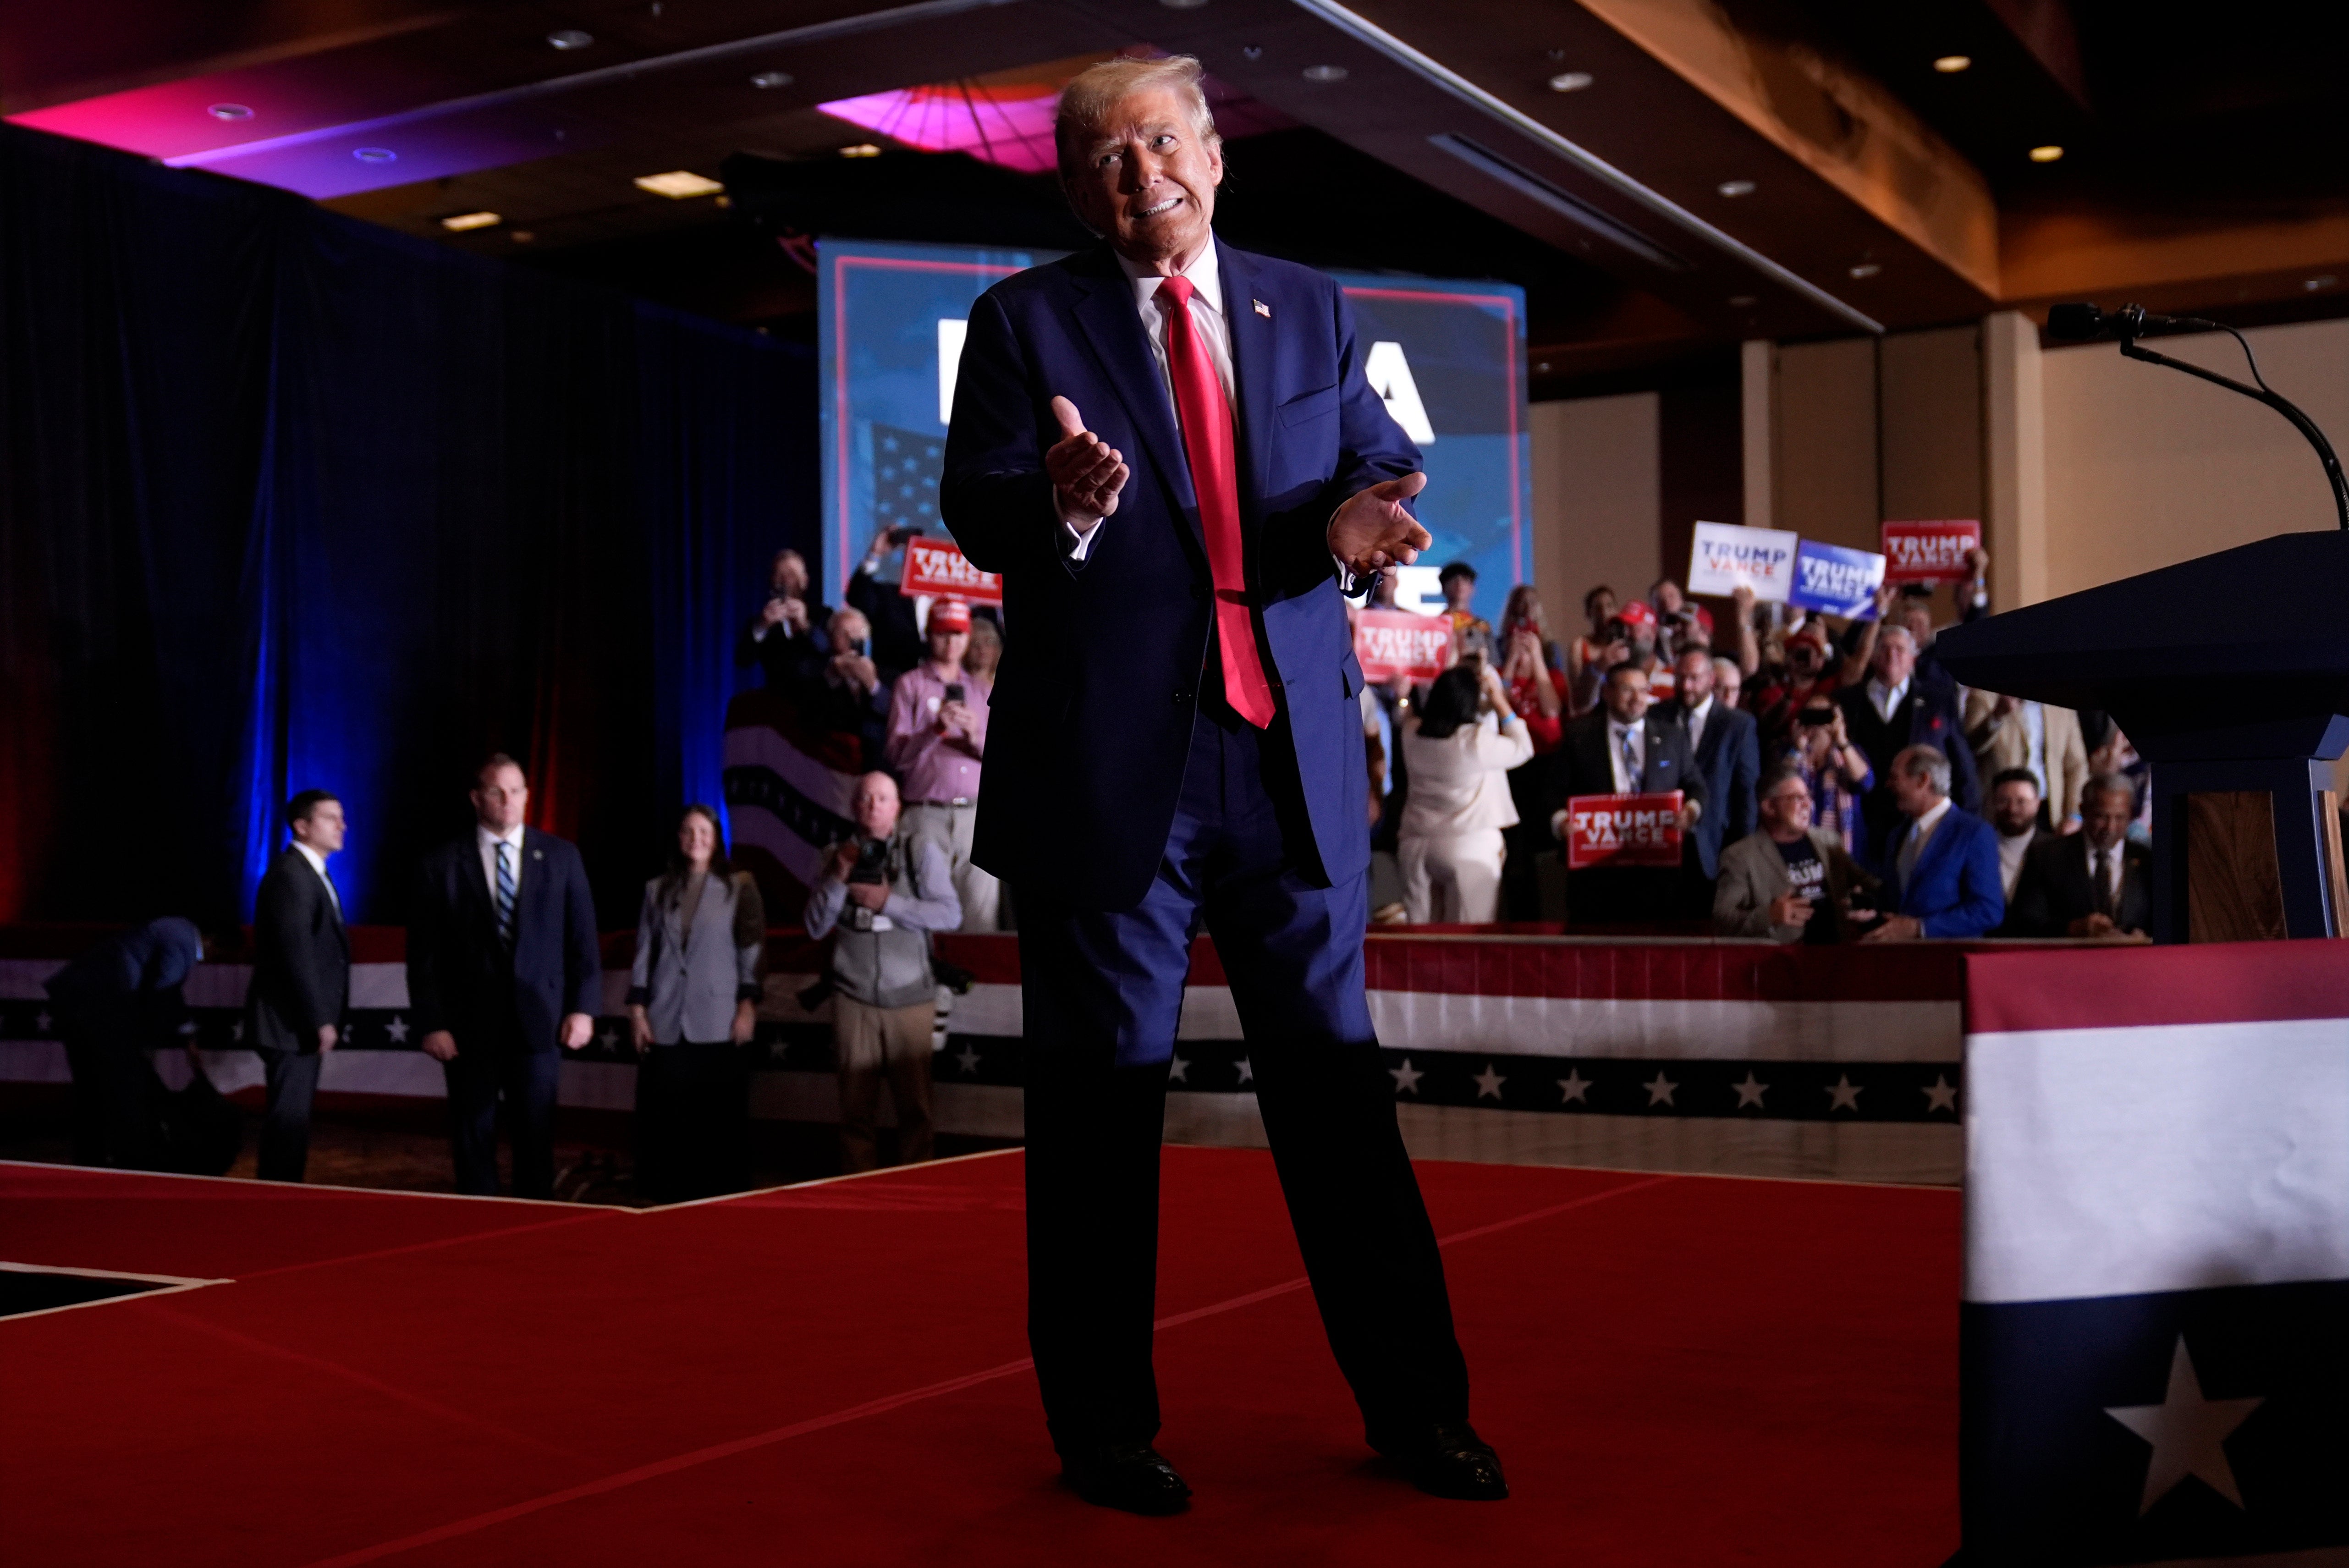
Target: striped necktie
<point x="505" y="893"/>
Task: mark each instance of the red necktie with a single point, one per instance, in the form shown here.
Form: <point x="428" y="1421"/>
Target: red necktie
<point x="1207" y="443"/>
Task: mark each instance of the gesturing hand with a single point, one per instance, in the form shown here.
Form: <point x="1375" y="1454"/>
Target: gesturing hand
<point x="1087" y="472"/>
<point x="1372" y="530"/>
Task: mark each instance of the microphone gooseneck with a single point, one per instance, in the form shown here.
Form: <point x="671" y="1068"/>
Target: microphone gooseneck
<point x="2086" y="323"/>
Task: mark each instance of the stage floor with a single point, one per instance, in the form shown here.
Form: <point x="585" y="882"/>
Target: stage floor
<point x="1676" y="1370"/>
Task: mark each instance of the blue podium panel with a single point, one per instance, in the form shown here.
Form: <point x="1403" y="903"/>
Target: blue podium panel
<point x="1448" y="357"/>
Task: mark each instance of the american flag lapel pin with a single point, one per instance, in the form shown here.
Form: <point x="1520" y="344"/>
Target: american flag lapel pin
<point x="1262" y="309"/>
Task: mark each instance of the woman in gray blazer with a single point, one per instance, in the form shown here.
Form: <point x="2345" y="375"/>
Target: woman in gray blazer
<point x="693" y="1007"/>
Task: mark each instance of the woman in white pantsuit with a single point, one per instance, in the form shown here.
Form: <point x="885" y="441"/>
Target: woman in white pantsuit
<point x="1449" y="842"/>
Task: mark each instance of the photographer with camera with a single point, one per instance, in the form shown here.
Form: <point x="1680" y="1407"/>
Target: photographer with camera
<point x="937" y="738"/>
<point x="883" y="891"/>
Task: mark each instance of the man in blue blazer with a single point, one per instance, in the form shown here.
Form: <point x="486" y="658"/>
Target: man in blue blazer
<point x="1168" y="450"/>
<point x="1943" y="861"/>
<point x="503" y="964"/>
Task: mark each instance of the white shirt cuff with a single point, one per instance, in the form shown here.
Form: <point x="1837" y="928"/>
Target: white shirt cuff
<point x="1080" y="543"/>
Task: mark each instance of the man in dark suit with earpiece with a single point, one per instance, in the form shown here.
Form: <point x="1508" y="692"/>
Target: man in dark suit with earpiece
<point x="503" y="964"/>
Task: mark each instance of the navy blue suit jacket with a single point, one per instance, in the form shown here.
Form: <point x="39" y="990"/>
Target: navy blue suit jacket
<point x="458" y="978"/>
<point x="1954" y="888"/>
<point x="1089" y="725"/>
<point x="1730" y="758"/>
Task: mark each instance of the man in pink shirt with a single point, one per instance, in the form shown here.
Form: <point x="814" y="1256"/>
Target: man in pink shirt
<point x="937" y="738"/>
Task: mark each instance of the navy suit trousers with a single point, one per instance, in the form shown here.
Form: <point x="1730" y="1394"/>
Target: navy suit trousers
<point x="1102" y="993"/>
<point x="484" y="1072"/>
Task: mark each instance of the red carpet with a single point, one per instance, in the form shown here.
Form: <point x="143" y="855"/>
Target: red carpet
<point x="1676" y="1370"/>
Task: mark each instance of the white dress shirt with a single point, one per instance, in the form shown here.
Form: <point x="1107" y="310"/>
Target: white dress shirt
<point x="2011" y="851"/>
<point x="318" y="864"/>
<point x="1215" y="335"/>
<point x="1214" y="330"/>
<point x="489" y="844"/>
<point x="1886" y="699"/>
<point x="2034" y="752"/>
<point x="1628" y="770"/>
<point x="1695" y="717"/>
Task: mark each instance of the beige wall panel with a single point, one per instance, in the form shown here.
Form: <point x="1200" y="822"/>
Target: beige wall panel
<point x="1825" y="465"/>
<point x="1597" y="502"/>
<point x="2148" y="467"/>
<point x="1932" y="410"/>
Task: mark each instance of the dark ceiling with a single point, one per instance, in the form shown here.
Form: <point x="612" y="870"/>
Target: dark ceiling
<point x="2203" y="149"/>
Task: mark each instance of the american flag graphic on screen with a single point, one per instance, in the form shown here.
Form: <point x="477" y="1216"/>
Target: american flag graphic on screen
<point x="906" y="469"/>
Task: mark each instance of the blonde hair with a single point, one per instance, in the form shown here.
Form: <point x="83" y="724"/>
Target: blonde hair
<point x="1086" y="101"/>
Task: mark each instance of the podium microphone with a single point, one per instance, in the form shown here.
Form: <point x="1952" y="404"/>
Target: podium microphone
<point x="2086" y="323"/>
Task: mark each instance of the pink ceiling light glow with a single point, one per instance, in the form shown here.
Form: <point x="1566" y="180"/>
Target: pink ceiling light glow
<point x="1009" y="124"/>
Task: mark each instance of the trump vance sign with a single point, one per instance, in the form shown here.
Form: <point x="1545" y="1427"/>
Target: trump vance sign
<point x="1623" y="830"/>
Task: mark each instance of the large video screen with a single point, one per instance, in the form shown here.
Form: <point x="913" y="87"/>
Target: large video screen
<point x="1447" y="356"/>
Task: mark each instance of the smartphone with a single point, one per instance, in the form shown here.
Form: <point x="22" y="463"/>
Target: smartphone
<point x="903" y="532"/>
<point x="954" y="691"/>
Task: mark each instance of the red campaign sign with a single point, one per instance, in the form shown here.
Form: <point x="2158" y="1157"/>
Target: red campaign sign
<point x="1930" y="551"/>
<point x="1392" y="643"/>
<point x="940" y="571"/>
<point x="1623" y="830"/>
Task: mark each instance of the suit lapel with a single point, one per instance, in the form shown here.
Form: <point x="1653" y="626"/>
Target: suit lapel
<point x="473" y="888"/>
<point x="1113" y="329"/>
<point x="1252" y="359"/>
<point x="531" y="896"/>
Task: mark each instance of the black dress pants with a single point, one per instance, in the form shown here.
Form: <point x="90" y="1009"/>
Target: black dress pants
<point x="293" y="1079"/>
<point x="693" y="1120"/>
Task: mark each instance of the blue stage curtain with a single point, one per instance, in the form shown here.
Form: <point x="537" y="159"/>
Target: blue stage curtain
<point x="290" y="500"/>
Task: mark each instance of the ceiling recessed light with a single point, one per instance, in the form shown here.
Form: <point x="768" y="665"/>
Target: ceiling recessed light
<point x="2315" y="284"/>
<point x="1570" y="81"/>
<point x="1865" y="270"/>
<point x="1251" y="51"/>
<point x="862" y="149"/>
<point x="1325" y="73"/>
<point x="678" y="184"/>
<point x="1734" y="188"/>
<point x="228" y="112"/>
<point x="523" y="236"/>
<point x="2047" y="154"/>
<point x="464" y="220"/>
<point x="569" y="39"/>
<point x="771" y="79"/>
<point x="1182" y="4"/>
<point x="1741" y="302"/>
<point x="375" y="155"/>
<point x="1951" y="65"/>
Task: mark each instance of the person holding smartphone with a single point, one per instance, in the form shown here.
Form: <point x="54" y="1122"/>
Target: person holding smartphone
<point x="937" y="739"/>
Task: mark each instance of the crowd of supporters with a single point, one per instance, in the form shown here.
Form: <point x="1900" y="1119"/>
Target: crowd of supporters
<point x="1837" y="783"/>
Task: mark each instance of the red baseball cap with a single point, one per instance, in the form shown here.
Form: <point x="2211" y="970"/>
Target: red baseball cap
<point x="1636" y="614"/>
<point x="949" y="616"/>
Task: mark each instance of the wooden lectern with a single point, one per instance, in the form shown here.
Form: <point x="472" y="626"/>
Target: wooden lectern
<point x="2230" y="675"/>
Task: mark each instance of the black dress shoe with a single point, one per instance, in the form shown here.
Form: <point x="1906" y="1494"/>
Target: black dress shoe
<point x="1446" y="1459"/>
<point x="1129" y="1476"/>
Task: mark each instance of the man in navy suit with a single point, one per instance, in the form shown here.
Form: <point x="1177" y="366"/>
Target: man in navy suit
<point x="1174" y="740"/>
<point x="1726" y="749"/>
<point x="1620" y="747"/>
<point x="1944" y="860"/>
<point x="502" y="963"/>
